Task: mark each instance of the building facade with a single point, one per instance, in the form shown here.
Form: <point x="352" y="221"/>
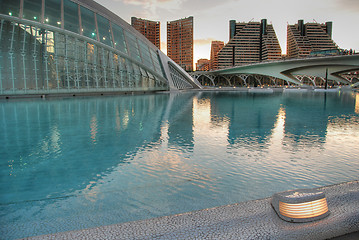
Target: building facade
<point x="79" y="46"/>
<point x="180" y="42"/>
<point x="250" y="42"/>
<point x="304" y="39"/>
<point x="216" y="46"/>
<point x="202" y="64"/>
<point x="149" y="29"/>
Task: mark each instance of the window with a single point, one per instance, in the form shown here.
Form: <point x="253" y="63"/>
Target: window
<point x="10" y="7"/>
<point x="71" y="16"/>
<point x="119" y="38"/>
<point x="146" y="58"/>
<point x="104" y="30"/>
<point x="53" y="13"/>
<point x="32" y="10"/>
<point x="133" y="47"/>
<point x="88" y="23"/>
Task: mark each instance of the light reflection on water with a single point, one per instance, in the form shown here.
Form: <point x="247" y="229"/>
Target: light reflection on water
<point x="77" y="163"/>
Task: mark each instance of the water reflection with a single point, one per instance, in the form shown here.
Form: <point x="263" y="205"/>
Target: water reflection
<point x="50" y="145"/>
<point x="132" y="157"/>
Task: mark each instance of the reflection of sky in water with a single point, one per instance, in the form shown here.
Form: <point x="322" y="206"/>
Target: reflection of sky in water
<point x="77" y="163"/>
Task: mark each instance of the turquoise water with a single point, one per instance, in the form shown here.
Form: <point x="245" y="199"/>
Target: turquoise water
<point x="74" y="163"/>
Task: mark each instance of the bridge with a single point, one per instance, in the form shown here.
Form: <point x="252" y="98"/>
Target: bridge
<point x="313" y="71"/>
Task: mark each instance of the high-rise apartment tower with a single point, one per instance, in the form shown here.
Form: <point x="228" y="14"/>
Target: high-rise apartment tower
<point x="303" y="39"/>
<point x="202" y="64"/>
<point x="180" y="42"/>
<point x="216" y="46"/>
<point x="250" y="42"/>
<point x="149" y="29"/>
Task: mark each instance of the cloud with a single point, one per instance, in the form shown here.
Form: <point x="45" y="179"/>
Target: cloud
<point x="153" y="7"/>
<point x="352" y="5"/>
<point x="205" y="41"/>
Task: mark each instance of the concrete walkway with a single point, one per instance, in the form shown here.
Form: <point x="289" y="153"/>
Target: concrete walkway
<point x="248" y="220"/>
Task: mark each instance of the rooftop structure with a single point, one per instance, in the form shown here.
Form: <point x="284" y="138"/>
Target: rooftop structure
<point x="250" y="42"/>
<point x="216" y="46"/>
<point x="180" y="42"/>
<point x="304" y="39"/>
<point x="149" y="29"/>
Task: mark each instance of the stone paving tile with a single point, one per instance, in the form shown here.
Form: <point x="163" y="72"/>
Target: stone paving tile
<point x="248" y="220"/>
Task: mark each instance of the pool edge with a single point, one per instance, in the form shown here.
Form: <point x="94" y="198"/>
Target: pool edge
<point x="246" y="220"/>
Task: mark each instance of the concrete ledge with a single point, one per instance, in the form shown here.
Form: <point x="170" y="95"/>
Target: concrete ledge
<point x="247" y="220"/>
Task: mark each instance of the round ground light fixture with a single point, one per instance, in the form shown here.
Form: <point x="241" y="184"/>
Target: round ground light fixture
<point x="304" y="205"/>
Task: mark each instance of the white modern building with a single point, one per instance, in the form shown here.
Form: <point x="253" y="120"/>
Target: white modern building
<point x="78" y="46"/>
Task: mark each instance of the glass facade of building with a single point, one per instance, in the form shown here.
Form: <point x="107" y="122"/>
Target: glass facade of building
<point x="64" y="46"/>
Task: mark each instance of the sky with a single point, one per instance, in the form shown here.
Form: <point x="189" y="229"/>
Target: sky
<point x="211" y="17"/>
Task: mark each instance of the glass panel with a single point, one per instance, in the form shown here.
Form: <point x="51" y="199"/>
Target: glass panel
<point x="119" y="38"/>
<point x="10" y="7"/>
<point x="146" y="58"/>
<point x="88" y="23"/>
<point x="156" y="62"/>
<point x="32" y="10"/>
<point x="133" y="47"/>
<point x="53" y="12"/>
<point x="104" y="30"/>
<point x="71" y="16"/>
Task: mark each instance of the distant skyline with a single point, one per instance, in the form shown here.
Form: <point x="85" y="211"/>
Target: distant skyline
<point x="211" y="17"/>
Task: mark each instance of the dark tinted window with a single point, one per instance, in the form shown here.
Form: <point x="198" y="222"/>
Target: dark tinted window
<point x="104" y="30"/>
<point x="88" y="23"/>
<point x="71" y="16"/>
<point x="32" y="10"/>
<point x="132" y="45"/>
<point x="10" y="7"/>
<point x="53" y="12"/>
<point x="119" y="38"/>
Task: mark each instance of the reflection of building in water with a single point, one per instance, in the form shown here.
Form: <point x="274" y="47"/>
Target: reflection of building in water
<point x="251" y="119"/>
<point x="357" y="103"/>
<point x="210" y="129"/>
<point x="181" y="114"/>
<point x="40" y="138"/>
<point x="307" y="116"/>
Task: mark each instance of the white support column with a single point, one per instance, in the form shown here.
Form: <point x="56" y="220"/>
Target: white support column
<point x="11" y="56"/>
<point x="34" y="55"/>
<point x="228" y="79"/>
<point x="46" y="58"/>
<point x="86" y="66"/>
<point x="211" y="78"/>
<point x="67" y="63"/>
<point x="244" y="78"/>
<point x="122" y="70"/>
<point x="77" y="55"/>
<point x="300" y="78"/>
<point x="56" y="59"/>
<point x="273" y="79"/>
<point x="23" y="55"/>
<point x="104" y="67"/>
<point x="95" y="65"/>
<point x="259" y="78"/>
<point x="112" y="70"/>
<point x="1" y="27"/>
<point x="312" y="79"/>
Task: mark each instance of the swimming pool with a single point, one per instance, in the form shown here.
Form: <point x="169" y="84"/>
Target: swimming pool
<point x="74" y="163"/>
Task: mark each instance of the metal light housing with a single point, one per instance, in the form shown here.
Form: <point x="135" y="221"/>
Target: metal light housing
<point x="304" y="205"/>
